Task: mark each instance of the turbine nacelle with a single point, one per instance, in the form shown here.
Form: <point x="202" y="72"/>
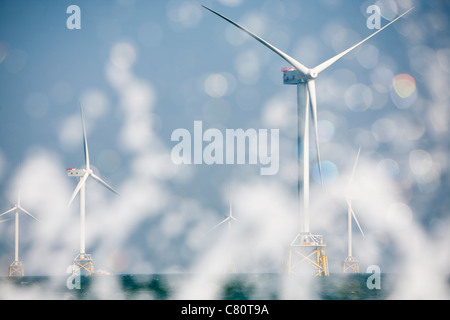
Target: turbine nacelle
<point x="73" y="172"/>
<point x="293" y="76"/>
<point x="310" y="74"/>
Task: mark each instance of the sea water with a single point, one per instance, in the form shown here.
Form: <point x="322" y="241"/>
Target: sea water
<point x="190" y="286"/>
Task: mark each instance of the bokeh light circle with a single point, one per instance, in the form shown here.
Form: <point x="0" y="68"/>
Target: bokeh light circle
<point x="404" y="85"/>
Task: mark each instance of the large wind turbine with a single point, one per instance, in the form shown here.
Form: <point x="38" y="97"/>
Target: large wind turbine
<point x="83" y="260"/>
<point x="304" y="78"/>
<point x="16" y="267"/>
<point x="351" y="263"/>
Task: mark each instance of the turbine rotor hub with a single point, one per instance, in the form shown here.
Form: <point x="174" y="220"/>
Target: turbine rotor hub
<point x="313" y="74"/>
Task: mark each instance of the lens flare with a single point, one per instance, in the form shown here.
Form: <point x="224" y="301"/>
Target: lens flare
<point x="404" y="85"/>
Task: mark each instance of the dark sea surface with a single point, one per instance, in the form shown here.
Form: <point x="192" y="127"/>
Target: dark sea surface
<point x="169" y="287"/>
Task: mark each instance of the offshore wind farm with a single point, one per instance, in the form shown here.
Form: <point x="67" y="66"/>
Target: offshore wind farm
<point x="144" y="72"/>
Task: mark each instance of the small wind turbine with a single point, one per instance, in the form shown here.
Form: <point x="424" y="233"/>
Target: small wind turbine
<point x="304" y="78"/>
<point x="229" y="218"/>
<point x="351" y="263"/>
<point x="83" y="260"/>
<point x="16" y="267"/>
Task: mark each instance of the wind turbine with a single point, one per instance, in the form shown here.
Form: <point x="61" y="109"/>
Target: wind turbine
<point x="229" y="219"/>
<point x="83" y="261"/>
<point x="16" y="267"/>
<point x="304" y="78"/>
<point x="351" y="263"/>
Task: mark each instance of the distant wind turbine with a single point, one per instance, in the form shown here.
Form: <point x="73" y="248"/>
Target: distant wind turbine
<point x="83" y="260"/>
<point x="304" y="78"/>
<point x="229" y="219"/>
<point x="16" y="267"/>
<point x="351" y="263"/>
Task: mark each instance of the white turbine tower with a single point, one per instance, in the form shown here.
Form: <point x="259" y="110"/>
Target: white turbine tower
<point x="351" y="263"/>
<point x="16" y="267"/>
<point x="83" y="261"/>
<point x="229" y="219"/>
<point x="304" y="78"/>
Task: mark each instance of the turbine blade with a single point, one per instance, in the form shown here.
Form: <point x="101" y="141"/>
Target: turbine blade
<point x="10" y="210"/>
<point x="103" y="183"/>
<point x="28" y="213"/>
<point x="79" y="185"/>
<point x="321" y="67"/>
<point x="86" y="151"/>
<point x="1" y="221"/>
<point x="300" y="67"/>
<point x="353" y="173"/>
<point x="354" y="217"/>
<point x="222" y="222"/>
<point x="18" y="196"/>
<point x="229" y="191"/>
<point x="313" y="99"/>
<point x="356" y="220"/>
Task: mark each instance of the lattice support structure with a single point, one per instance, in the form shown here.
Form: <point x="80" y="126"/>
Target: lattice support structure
<point x="350" y="265"/>
<point x="16" y="269"/>
<point x="83" y="264"/>
<point x="308" y="251"/>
